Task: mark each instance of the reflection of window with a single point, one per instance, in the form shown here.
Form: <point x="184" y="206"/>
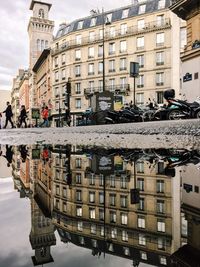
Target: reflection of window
<point x="78" y="88"/>
<point x="123" y="46"/>
<point x="93" y="22"/>
<point x="79" y="211"/>
<point x="161" y="243"/>
<point x="142" y="9"/>
<point x="92" y="213"/>
<point x="140" y="167"/>
<point x="101" y="197"/>
<point x="113" y="233"/>
<point x="80" y="25"/>
<point x="125" y="13"/>
<point x="122" y="63"/>
<point x="124" y="218"/>
<point x="140" y="59"/>
<point x="112" y="199"/>
<point x="140" y="42"/>
<point x="160" y="206"/>
<point x="123" y="201"/>
<point x="161" y="4"/>
<point x="140" y="24"/>
<point x="140" y="81"/>
<point x="143" y="255"/>
<point x="160" y="79"/>
<point x="80" y="226"/>
<point x="163" y="260"/>
<point x="159" y="58"/>
<point x="90" y="52"/>
<point x="141" y="204"/>
<point x="142" y="240"/>
<point x="160" y="38"/>
<point x="91" y="197"/>
<point x="141" y="222"/>
<point x="124" y="235"/>
<point x="160" y="225"/>
<point x="78" y="195"/>
<point x="160" y="186"/>
<point x="123" y="28"/>
<point x="77" y="54"/>
<point x="113" y="216"/>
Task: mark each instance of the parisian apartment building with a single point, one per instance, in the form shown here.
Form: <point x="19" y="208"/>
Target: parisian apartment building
<point x="94" y="54"/>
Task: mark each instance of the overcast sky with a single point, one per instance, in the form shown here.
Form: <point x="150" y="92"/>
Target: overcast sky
<point x="14" y="18"/>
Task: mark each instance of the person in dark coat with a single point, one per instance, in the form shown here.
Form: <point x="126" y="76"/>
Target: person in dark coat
<point x="9" y="155"/>
<point x="24" y="152"/>
<point x="22" y="116"/>
<point x="9" y="115"/>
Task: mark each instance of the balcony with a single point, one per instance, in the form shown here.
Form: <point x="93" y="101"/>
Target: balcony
<point x="133" y="30"/>
<point x="117" y="89"/>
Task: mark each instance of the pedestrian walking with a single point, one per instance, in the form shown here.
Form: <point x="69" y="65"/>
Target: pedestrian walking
<point x="45" y="116"/>
<point x="24" y="152"/>
<point x="9" y="114"/>
<point x="22" y="117"/>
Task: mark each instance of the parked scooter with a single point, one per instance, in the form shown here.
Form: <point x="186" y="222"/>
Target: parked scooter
<point x="125" y="115"/>
<point x="183" y="110"/>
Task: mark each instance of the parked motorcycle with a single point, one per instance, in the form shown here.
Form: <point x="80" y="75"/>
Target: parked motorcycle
<point x="126" y="115"/>
<point x="183" y="110"/>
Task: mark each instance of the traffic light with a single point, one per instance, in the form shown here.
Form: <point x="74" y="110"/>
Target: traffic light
<point x="68" y="88"/>
<point x="135" y="196"/>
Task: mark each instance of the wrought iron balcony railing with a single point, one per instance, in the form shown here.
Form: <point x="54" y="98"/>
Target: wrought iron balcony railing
<point x="118" y="89"/>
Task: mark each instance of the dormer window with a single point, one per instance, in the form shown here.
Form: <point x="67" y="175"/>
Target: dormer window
<point x="125" y="13"/>
<point x="142" y="9"/>
<point x="41" y="13"/>
<point x="80" y="25"/>
<point x="108" y="18"/>
<point x="93" y="22"/>
<point x="161" y="4"/>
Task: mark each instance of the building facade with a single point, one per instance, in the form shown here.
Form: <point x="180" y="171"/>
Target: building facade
<point x="106" y="43"/>
<point x="189" y="10"/>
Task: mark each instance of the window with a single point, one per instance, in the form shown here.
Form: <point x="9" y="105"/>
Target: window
<point x="123" y="201"/>
<point x="183" y="37"/>
<point x="161" y="225"/>
<point x="123" y="28"/>
<point x="78" y="88"/>
<point x="64" y="207"/>
<point x="78" y="103"/>
<point x="123" y="46"/>
<point x="112" y="31"/>
<point x="41" y="13"/>
<point x="112" y="88"/>
<point x="160" y="38"/>
<point x="79" y="211"/>
<point x="101" y="180"/>
<point x="161" y="243"/>
<point x="126" y="251"/>
<point x="56" y="76"/>
<point x="141" y="222"/>
<point x="78" y="163"/>
<point x="113" y="216"/>
<point x="140" y="81"/>
<point x="113" y="233"/>
<point x="78" y="39"/>
<point x="160" y="186"/>
<point x="100" y="34"/>
<point x="111" y="48"/>
<point x="125" y="13"/>
<point x="100" y="82"/>
<point x="112" y="199"/>
<point x="78" y="195"/>
<point x="78" y="178"/>
<point x="92" y="179"/>
<point x="101" y="198"/>
<point x="124" y="218"/>
<point x="124" y="235"/>
<point x="78" y="71"/>
<point x="160" y="58"/>
<point x="81" y="240"/>
<point x="143" y="255"/>
<point x="123" y="82"/>
<point x="100" y="50"/>
<point x="140" y="24"/>
<point x="77" y="54"/>
<point x="63" y="58"/>
<point x="93" y="229"/>
<point x="140" y="184"/>
<point x="55" y="62"/>
<point x="140" y="98"/>
<point x="140" y="43"/>
<point x="91" y="36"/>
<point x="101" y="214"/>
<point x="142" y="240"/>
<point x="160" y="79"/>
<point x="64" y="192"/>
<point x="91" y="69"/>
<point x="140" y="59"/>
<point x="93" y="22"/>
<point x="163" y="260"/>
<point x="80" y="226"/>
<point x="108" y="17"/>
<point x="80" y="25"/>
<point x="123" y="182"/>
<point x="92" y="213"/>
<point x="63" y="74"/>
<point x="122" y="63"/>
<point x="91" y="197"/>
<point x="159" y="97"/>
<point x="141" y="204"/>
<point x="160" y="20"/>
<point x="161" y="4"/>
<point x="91" y="85"/>
<point x="91" y="52"/>
<point x="100" y="67"/>
<point x="102" y="231"/>
<point x="111" y="65"/>
<point x="57" y="190"/>
<point x="160" y="206"/>
<point x="142" y="9"/>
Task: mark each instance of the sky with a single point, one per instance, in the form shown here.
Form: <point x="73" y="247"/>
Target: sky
<point x="14" y="18"/>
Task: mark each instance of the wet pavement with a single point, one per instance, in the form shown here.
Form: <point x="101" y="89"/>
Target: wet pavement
<point x="68" y="205"/>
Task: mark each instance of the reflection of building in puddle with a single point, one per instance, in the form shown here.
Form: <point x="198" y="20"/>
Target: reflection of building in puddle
<point x="94" y="207"/>
<point x="189" y="254"/>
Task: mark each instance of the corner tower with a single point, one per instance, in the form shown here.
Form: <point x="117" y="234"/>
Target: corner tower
<point x="40" y="30"/>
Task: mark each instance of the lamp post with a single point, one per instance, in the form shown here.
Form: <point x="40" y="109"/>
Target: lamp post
<point x="59" y="110"/>
<point x="67" y="103"/>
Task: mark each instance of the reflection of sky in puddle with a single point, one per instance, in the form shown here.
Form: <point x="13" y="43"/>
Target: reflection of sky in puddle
<point x="64" y="204"/>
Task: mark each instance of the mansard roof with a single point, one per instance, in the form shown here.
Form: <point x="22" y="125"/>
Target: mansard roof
<point x="133" y="10"/>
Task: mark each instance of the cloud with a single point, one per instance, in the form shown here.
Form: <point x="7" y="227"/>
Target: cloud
<point x="14" y="18"/>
